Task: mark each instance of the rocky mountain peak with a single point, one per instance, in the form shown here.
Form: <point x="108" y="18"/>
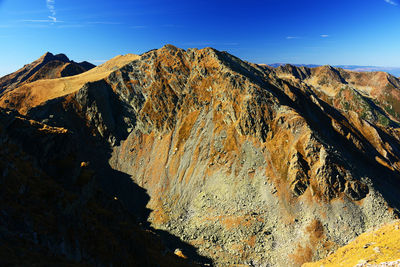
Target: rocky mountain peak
<point x="48" y="66"/>
<point x="62" y="57"/>
<point x="47" y="56"/>
<point x="170" y="47"/>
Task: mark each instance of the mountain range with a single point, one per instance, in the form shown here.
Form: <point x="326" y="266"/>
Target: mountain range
<point x="194" y="157"/>
<point x="48" y="66"/>
<point x="392" y="70"/>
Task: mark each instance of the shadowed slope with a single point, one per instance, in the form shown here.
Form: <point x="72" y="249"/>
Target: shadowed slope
<point x="55" y="212"/>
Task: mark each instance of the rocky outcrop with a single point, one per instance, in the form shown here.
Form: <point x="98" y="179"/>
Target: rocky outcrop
<point x="249" y="164"/>
<point x="298" y="174"/>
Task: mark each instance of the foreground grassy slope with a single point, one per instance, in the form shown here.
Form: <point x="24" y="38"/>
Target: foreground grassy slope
<point x="382" y="245"/>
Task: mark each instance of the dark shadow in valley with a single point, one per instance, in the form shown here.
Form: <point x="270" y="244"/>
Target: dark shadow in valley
<point x="97" y="150"/>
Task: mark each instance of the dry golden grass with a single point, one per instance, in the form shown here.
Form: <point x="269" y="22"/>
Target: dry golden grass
<point x="382" y="245"/>
<point x="36" y="93"/>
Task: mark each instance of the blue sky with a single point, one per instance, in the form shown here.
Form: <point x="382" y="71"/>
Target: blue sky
<point x="357" y="32"/>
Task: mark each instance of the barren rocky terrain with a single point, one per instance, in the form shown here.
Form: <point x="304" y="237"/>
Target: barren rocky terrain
<point x="238" y="163"/>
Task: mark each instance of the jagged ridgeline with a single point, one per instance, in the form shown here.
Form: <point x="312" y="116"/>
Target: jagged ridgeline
<point x="48" y="66"/>
<point x="241" y="163"/>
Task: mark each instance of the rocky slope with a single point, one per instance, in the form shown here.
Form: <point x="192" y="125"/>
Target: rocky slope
<point x="392" y="70"/>
<point x="48" y="66"/>
<point x="249" y="164"/>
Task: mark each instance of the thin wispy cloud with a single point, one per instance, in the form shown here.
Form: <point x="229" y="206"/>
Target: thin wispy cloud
<point x="54" y="19"/>
<point x="324" y="35"/>
<point x="37" y="20"/>
<point x="88" y="24"/>
<point x="51" y="6"/>
<point x="391" y="2"/>
<point x="292" y="37"/>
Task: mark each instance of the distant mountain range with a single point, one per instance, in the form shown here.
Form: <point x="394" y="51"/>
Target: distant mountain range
<point x="392" y="70"/>
<point x="48" y="66"/>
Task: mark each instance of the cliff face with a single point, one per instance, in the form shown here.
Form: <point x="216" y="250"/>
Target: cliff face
<point x="247" y="163"/>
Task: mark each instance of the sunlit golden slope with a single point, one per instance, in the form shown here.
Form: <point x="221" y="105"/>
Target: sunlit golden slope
<point x="38" y="92"/>
<point x="48" y="66"/>
<point x="382" y="245"/>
